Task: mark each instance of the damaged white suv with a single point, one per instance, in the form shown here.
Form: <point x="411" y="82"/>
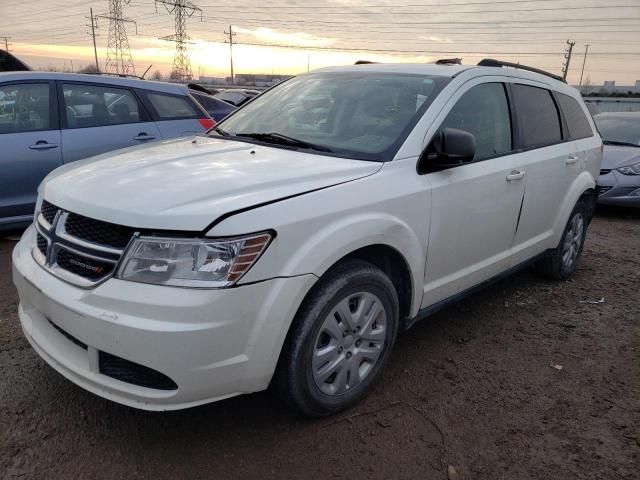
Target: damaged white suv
<point x="291" y="245"/>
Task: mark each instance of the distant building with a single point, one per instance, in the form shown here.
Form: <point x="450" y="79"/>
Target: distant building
<point x="212" y="80"/>
<point x="610" y="88"/>
<point x="258" y="79"/>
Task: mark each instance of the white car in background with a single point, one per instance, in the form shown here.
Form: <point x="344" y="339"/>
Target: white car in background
<point x="290" y="246"/>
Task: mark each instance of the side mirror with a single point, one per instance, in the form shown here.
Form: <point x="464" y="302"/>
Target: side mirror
<point x="453" y="147"/>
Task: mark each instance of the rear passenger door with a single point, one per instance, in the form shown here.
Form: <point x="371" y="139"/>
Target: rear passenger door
<point x="98" y="118"/>
<point x="29" y="144"/>
<point x="549" y="157"/>
<point x="176" y="115"/>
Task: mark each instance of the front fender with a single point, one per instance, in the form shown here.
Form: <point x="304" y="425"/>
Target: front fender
<point x="325" y="247"/>
<point x="316" y="230"/>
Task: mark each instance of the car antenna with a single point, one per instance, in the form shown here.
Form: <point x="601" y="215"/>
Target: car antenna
<point x="145" y="72"/>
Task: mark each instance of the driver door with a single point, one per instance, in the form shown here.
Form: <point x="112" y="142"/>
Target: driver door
<point x="474" y="206"/>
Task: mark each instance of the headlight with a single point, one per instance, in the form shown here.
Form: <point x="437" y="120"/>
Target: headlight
<point x="201" y="263"/>
<point x="630" y="170"/>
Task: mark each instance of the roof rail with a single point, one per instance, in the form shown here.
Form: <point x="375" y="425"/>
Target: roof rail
<point x="120" y="75"/>
<point x="449" y="61"/>
<point x="364" y="62"/>
<point x="490" y="62"/>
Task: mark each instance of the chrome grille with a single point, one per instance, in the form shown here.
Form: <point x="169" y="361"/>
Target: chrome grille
<point x="77" y="249"/>
<point x="41" y="243"/>
<point x="83" y="266"/>
<point x="99" y="232"/>
<point x="48" y="211"/>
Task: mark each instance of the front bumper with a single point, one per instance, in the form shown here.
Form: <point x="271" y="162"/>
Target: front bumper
<point x="213" y="344"/>
<point x="614" y="188"/>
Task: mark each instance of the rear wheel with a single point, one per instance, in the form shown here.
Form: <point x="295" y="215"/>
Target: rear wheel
<point x="340" y="340"/>
<point x="561" y="264"/>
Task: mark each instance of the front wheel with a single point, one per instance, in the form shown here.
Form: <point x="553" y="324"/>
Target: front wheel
<point x="561" y="264"/>
<point x="340" y="340"/>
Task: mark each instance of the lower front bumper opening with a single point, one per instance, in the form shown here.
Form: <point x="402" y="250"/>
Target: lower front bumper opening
<point x="133" y="373"/>
<point x="124" y="370"/>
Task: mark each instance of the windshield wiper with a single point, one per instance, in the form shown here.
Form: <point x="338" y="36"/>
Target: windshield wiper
<point x="623" y="144"/>
<point x="220" y="131"/>
<point x="280" y="139"/>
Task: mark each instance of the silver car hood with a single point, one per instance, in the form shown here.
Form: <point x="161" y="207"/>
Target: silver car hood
<point x="615" y="156"/>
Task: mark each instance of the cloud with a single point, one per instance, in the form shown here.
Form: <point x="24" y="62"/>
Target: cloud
<point x="436" y="39"/>
<point x="269" y="35"/>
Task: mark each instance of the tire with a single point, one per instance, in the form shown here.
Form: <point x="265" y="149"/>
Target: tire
<point x="323" y="370"/>
<point x="562" y="262"/>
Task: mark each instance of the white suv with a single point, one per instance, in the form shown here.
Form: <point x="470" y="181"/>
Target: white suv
<point x="292" y="244"/>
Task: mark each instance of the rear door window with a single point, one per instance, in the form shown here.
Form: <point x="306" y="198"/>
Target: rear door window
<point x="538" y="118"/>
<point x="98" y="106"/>
<point x="484" y="112"/>
<point x="170" y="107"/>
<point x="574" y="117"/>
<point x="25" y="107"/>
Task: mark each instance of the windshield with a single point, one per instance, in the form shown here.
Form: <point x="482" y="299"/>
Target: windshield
<point x="362" y="115"/>
<point x="619" y="129"/>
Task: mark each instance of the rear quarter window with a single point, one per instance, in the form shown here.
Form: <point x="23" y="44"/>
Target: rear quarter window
<point x="172" y="106"/>
<point x="538" y="118"/>
<point x="577" y="122"/>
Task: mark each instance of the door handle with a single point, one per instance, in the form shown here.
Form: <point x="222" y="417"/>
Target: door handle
<point x="515" y="175"/>
<point x="571" y="160"/>
<point x="142" y="136"/>
<point x="43" y="145"/>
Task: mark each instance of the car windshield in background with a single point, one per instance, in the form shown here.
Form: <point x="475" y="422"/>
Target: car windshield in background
<point x="619" y="129"/>
<point x="363" y="115"/>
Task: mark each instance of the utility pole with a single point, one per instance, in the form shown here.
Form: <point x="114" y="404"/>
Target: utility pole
<point x="567" y="56"/>
<point x="181" y="9"/>
<point x="586" y="50"/>
<point x="93" y="34"/>
<point x="230" y="34"/>
<point x="119" y="60"/>
<point x="6" y="43"/>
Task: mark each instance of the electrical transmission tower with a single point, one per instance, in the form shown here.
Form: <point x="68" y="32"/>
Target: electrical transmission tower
<point x="119" y="60"/>
<point x="181" y="9"/>
<point x="567" y="57"/>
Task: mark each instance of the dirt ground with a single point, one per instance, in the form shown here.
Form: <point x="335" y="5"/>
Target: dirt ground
<point x="473" y="387"/>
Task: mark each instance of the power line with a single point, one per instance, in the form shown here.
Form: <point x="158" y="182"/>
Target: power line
<point x="422" y="51"/>
<point x="449" y="22"/>
<point x="416" y="5"/>
<point x="444" y="12"/>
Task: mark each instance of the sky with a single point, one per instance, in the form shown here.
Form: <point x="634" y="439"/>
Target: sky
<point x="290" y="37"/>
